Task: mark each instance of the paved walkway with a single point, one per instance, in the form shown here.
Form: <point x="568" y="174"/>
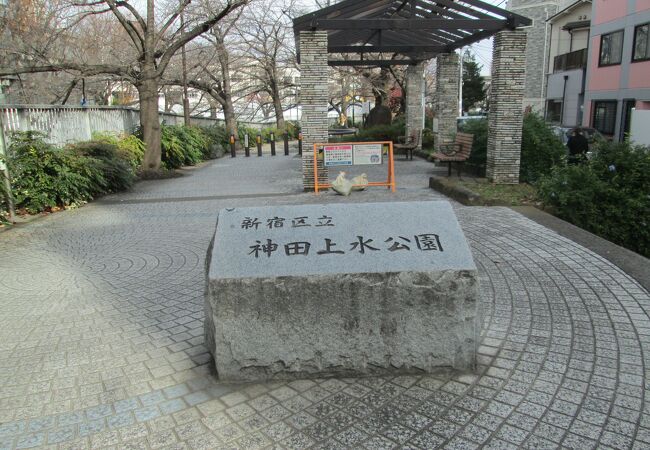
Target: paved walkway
<point x="101" y="335"/>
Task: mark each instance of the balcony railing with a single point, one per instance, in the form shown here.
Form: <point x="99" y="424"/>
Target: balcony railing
<point x="570" y="61"/>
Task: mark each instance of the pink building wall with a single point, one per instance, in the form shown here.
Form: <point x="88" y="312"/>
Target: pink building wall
<point x="642" y="5"/>
<point x="602" y="78"/>
<point x="639" y="75"/>
<point x="608" y="10"/>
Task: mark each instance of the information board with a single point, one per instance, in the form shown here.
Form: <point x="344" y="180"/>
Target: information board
<point x="366" y="154"/>
<point x="337" y="155"/>
<point x="353" y="153"/>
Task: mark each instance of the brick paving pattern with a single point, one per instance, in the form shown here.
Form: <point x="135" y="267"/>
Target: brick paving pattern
<point x="101" y="336"/>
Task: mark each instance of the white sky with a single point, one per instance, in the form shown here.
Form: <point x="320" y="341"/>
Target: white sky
<point x="482" y="49"/>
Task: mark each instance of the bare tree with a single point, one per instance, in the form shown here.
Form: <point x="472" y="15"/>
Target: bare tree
<point x="153" y="43"/>
<point x="268" y="37"/>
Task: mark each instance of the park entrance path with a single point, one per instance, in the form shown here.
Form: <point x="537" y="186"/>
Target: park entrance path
<point x="101" y="335"/>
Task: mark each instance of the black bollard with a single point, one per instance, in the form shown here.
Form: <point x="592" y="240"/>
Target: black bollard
<point x="247" y="150"/>
<point x="259" y="145"/>
<point x="232" y="146"/>
<point x="272" y="144"/>
<point x="286" y="143"/>
<point x="300" y="143"/>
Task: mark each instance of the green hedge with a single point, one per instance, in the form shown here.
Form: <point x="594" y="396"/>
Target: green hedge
<point x="608" y="195"/>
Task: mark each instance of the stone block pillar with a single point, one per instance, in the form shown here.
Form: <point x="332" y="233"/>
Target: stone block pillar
<point x="506" y="107"/>
<point x="313" y="100"/>
<point x="415" y="98"/>
<point x="446" y="97"/>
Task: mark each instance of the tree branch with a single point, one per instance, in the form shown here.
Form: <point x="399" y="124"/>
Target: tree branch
<point x="194" y="32"/>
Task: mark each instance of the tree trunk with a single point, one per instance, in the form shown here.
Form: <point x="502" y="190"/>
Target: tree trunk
<point x="226" y="94"/>
<point x="150" y="123"/>
<point x="279" y="113"/>
<point x="231" y="121"/>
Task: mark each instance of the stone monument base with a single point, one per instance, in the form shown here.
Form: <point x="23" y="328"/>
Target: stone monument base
<point x="281" y="314"/>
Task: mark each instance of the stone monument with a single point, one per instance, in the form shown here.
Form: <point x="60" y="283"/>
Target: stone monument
<point x="340" y="289"/>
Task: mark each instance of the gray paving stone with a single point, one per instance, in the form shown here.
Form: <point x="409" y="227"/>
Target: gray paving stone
<point x="566" y="336"/>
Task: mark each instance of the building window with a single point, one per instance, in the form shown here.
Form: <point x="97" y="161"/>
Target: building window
<point x="554" y="111"/>
<point x="641" y="48"/>
<point x="611" y="48"/>
<point x="605" y="116"/>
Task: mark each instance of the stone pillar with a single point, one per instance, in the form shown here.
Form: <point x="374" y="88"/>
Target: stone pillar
<point x="415" y="98"/>
<point x="506" y="107"/>
<point x="313" y="100"/>
<point x="446" y="97"/>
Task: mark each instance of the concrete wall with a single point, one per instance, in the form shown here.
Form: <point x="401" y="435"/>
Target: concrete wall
<point x="64" y="124"/>
<point x="640" y="127"/>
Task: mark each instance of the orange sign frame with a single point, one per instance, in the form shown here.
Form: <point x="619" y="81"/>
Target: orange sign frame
<point x="390" y="181"/>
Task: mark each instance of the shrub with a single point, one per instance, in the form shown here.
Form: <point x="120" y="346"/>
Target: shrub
<point x="252" y="134"/>
<point x="182" y="145"/>
<point x="129" y="147"/>
<point x="172" y="153"/>
<point x="540" y="149"/>
<point x="608" y="195"/>
<point x="217" y="140"/>
<point x="117" y="172"/>
<point x="44" y="177"/>
<point x="195" y="144"/>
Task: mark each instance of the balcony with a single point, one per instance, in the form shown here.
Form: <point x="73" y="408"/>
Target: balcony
<point x="570" y="61"/>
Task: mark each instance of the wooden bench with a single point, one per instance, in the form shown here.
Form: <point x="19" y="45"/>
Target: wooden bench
<point x="410" y="143"/>
<point x="457" y="151"/>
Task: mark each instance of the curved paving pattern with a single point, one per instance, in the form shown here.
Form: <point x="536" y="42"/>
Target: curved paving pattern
<point x="101" y="341"/>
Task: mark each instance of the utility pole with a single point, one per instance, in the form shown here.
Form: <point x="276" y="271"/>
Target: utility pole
<point x="186" y="100"/>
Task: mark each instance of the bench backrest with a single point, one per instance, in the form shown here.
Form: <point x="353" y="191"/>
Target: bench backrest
<point x="464" y="142"/>
<point x="415" y="138"/>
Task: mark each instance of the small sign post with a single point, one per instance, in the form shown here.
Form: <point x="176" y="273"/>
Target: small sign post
<point x="352" y="154"/>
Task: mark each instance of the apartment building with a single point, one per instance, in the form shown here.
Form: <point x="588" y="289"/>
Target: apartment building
<point x="618" y="66"/>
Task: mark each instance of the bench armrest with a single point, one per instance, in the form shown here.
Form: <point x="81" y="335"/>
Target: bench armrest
<point x="449" y="149"/>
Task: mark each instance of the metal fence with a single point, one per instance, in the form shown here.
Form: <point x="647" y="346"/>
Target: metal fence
<point x="66" y="124"/>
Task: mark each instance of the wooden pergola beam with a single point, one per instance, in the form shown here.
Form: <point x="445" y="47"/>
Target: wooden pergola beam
<point x="372" y="62"/>
<point x="386" y="48"/>
<point x="410" y="24"/>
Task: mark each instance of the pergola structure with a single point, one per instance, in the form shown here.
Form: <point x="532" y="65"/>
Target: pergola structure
<point x="410" y="32"/>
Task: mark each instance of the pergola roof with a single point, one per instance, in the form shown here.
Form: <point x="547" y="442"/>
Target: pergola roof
<point x="415" y="29"/>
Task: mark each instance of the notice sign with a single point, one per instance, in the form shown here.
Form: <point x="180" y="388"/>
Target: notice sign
<point x="337" y="155"/>
<point x="367" y="154"/>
